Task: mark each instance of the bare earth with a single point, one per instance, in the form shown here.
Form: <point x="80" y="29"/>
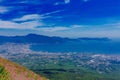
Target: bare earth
<point x="17" y="72"/>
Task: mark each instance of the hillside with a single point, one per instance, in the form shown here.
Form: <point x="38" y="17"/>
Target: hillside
<point x="12" y="71"/>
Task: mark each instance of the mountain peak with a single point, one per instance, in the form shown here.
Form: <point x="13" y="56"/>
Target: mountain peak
<point x="31" y="34"/>
<point x="36" y="38"/>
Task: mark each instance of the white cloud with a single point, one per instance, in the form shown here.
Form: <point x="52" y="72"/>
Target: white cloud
<point x="52" y="12"/>
<point x="3" y="9"/>
<point x="85" y="0"/>
<point x="62" y="3"/>
<point x="59" y="28"/>
<point x="77" y="26"/>
<point x="52" y="29"/>
<point x="2" y="0"/>
<point x="30" y="2"/>
<point x="25" y="25"/>
<point x="35" y="20"/>
<point x="31" y="25"/>
<point x="33" y="17"/>
<point x="67" y="1"/>
<point x="31" y="22"/>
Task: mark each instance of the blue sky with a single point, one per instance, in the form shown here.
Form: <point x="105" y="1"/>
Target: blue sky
<point x="66" y="18"/>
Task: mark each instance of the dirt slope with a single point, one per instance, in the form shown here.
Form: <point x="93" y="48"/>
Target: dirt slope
<point x="12" y="71"/>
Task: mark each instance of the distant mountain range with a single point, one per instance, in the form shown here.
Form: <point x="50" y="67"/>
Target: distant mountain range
<point x="34" y="38"/>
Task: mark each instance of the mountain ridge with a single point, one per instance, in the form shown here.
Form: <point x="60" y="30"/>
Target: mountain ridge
<point x="35" y="38"/>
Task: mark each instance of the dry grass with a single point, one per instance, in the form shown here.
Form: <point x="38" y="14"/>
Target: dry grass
<point x="15" y="72"/>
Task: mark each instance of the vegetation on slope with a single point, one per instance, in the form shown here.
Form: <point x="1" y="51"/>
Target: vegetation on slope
<point x="12" y="71"/>
<point x="4" y="75"/>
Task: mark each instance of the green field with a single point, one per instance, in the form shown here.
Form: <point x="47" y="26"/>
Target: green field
<point x="76" y="74"/>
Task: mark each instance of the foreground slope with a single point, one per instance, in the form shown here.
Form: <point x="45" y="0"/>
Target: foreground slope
<point x="12" y="71"/>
